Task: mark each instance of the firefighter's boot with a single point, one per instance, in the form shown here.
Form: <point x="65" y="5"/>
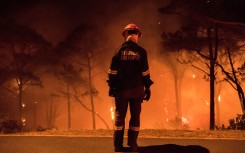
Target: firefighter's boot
<point x="118" y="140"/>
<point x="132" y="140"/>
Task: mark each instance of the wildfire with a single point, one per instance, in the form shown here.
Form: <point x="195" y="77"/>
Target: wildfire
<point x="112" y="110"/>
<point x="18" y="81"/>
<point x="166" y="109"/>
<point x="207" y="103"/>
<point x="23" y="121"/>
<point x="185" y="121"/>
<point x="219" y="99"/>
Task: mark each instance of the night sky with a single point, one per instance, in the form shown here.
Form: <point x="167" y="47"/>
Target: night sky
<point x="54" y="19"/>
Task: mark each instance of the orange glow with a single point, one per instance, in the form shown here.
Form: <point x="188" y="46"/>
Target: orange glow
<point x="18" y="81"/>
<point x="23" y="121"/>
<point x="219" y="99"/>
<point x="185" y="121"/>
<point x="158" y="112"/>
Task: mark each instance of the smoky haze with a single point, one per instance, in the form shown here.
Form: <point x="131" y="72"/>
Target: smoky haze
<point x="54" y="20"/>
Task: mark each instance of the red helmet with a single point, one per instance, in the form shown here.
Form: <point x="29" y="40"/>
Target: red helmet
<point x="132" y="27"/>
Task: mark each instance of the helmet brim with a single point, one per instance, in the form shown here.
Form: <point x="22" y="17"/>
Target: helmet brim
<point x="131" y="29"/>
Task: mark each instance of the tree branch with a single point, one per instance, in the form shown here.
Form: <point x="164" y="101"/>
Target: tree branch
<point x="200" y="69"/>
<point x="227" y="80"/>
<point x="88" y="109"/>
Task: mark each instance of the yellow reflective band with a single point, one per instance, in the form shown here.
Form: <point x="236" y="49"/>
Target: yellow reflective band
<point x="114" y="72"/>
<point x="145" y="73"/>
<point x="118" y="128"/>
<point x="133" y="128"/>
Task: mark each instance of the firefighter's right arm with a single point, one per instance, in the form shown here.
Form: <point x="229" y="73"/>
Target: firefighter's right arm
<point x="145" y="71"/>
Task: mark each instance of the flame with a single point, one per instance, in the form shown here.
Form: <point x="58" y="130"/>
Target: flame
<point x="23" y="105"/>
<point x="18" y="81"/>
<point x="193" y="76"/>
<point x="112" y="110"/>
<point x="207" y="103"/>
<point x="185" y="121"/>
<point x="23" y="121"/>
<point x="166" y="109"/>
<point x="219" y="99"/>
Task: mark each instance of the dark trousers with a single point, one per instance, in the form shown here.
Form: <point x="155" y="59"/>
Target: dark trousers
<point x="132" y="98"/>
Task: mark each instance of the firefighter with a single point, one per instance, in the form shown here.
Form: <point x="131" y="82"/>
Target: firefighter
<point x="129" y="83"/>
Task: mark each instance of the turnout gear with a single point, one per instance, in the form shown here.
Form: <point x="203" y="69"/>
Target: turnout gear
<point x="129" y="82"/>
<point x="129" y="67"/>
<point x="112" y="90"/>
<point x="132" y="140"/>
<point x="134" y="123"/>
<point x="118" y="140"/>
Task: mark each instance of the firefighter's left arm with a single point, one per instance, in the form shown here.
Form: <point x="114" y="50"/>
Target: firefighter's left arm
<point x="113" y="71"/>
<point x="112" y="76"/>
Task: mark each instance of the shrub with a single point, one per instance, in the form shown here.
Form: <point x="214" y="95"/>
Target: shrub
<point x="10" y="126"/>
<point x="238" y="123"/>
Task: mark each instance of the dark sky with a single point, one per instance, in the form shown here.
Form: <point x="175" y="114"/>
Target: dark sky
<point x="55" y="18"/>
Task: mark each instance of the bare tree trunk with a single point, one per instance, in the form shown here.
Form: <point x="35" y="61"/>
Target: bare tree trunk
<point x="178" y="99"/>
<point x="212" y="104"/>
<point x="69" y="107"/>
<point x="91" y="90"/>
<point x="49" y="110"/>
<point x="20" y="99"/>
<point x="35" y="115"/>
<point x="217" y="102"/>
<point x="212" y="59"/>
<point x="101" y="118"/>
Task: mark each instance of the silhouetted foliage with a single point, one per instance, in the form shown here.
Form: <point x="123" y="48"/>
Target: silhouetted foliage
<point x="8" y="125"/>
<point x="237" y="123"/>
<point x="206" y="32"/>
<point x="80" y="48"/>
<point x="19" y="54"/>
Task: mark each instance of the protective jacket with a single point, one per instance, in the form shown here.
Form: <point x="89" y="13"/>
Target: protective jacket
<point x="129" y="67"/>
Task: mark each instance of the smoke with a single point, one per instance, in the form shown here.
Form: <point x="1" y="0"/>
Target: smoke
<point x="54" y="20"/>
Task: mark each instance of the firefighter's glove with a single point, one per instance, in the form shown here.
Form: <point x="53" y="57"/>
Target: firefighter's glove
<point x="112" y="92"/>
<point x="147" y="94"/>
<point x="112" y="89"/>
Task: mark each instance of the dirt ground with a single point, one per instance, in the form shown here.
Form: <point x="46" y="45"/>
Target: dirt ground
<point x="147" y="133"/>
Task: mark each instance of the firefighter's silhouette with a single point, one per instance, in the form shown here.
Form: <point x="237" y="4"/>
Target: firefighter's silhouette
<point x="129" y="83"/>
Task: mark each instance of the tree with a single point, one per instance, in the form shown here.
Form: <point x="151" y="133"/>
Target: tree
<point x="234" y="76"/>
<point x="80" y="48"/>
<point x="204" y="32"/>
<point x="19" y="48"/>
<point x="52" y="111"/>
<point x="177" y="69"/>
<point x="72" y="79"/>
